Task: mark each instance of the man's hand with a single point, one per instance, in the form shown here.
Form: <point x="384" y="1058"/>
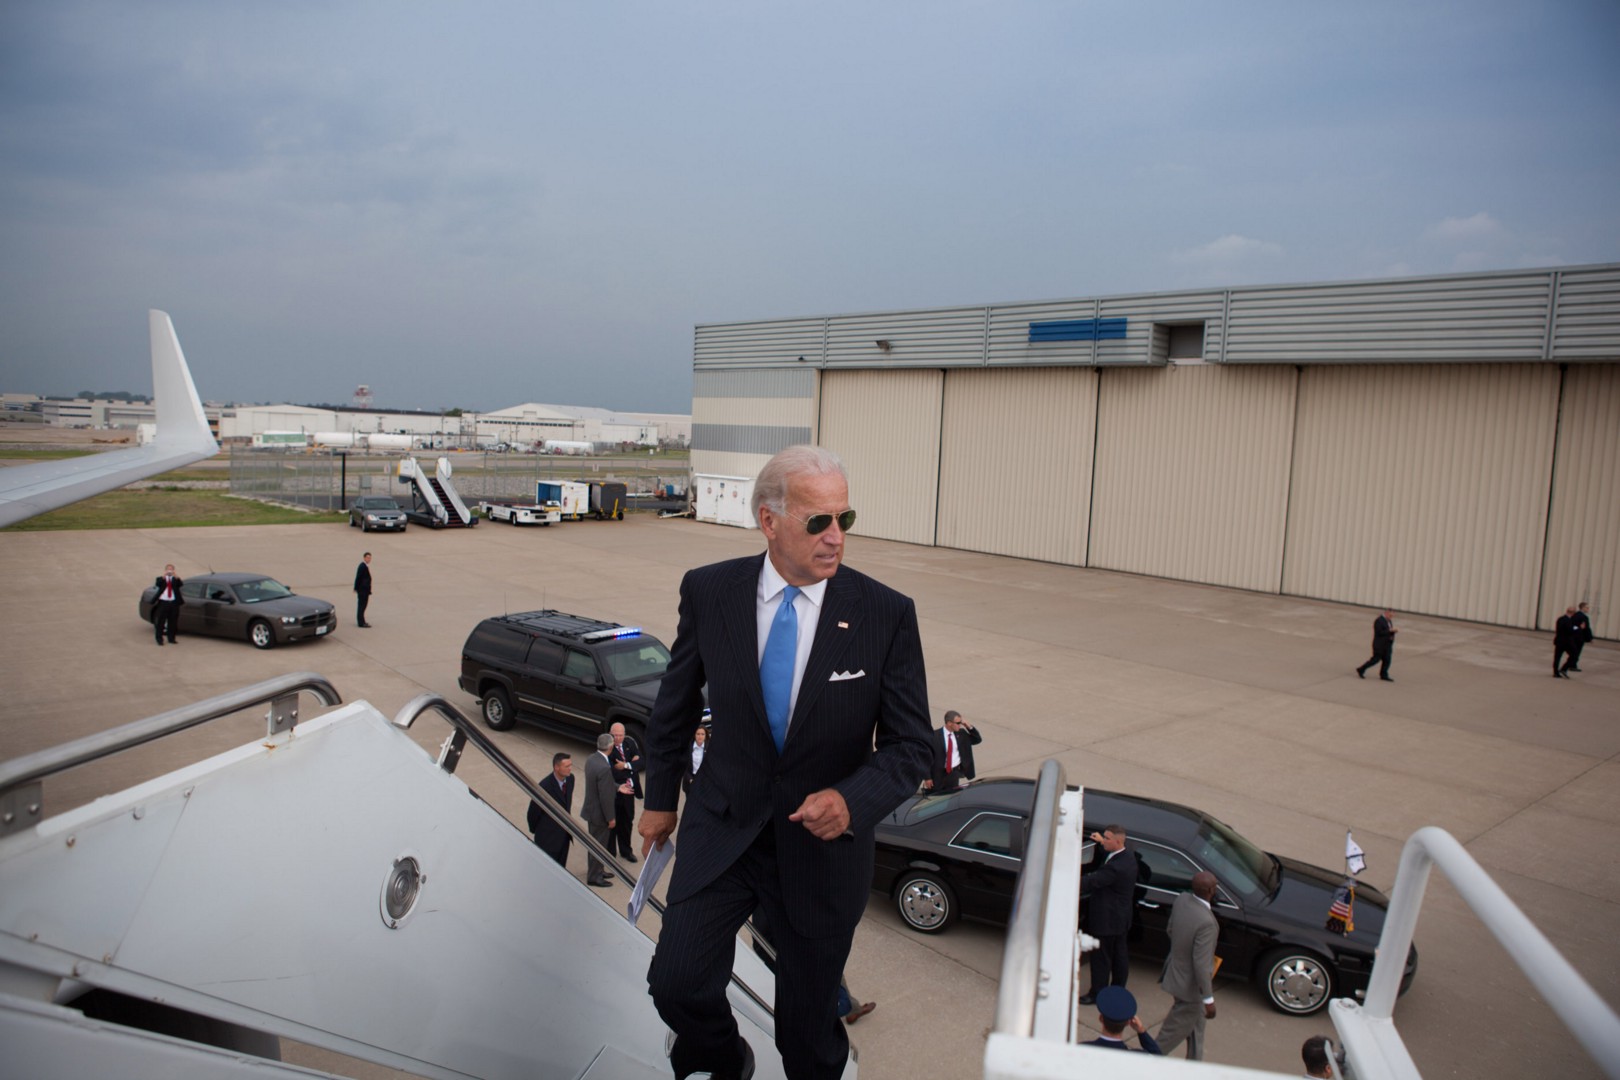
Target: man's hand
<point x="928" y="785"/>
<point x="1209" y="1010"/>
<point x="1136" y="1025"/>
<point x="656" y="827"/>
<point x="823" y="812"/>
<point x="613" y="825"/>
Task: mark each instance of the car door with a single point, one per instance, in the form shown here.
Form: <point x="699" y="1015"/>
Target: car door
<point x="218" y="612"/>
<point x="534" y="682"/>
<point x="1166" y="873"/>
<point x="580" y="702"/>
<point x="191" y="612"/>
<point x="987" y="853"/>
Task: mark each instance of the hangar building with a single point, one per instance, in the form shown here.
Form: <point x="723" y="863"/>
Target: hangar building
<point x="1440" y="445"/>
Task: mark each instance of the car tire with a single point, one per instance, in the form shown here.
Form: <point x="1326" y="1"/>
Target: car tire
<point x="497" y="709"/>
<point x="925" y="903"/>
<point x="262" y="634"/>
<point x="1297" y="981"/>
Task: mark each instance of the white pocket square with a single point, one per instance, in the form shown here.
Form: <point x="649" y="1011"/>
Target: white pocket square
<point x="840" y="676"/>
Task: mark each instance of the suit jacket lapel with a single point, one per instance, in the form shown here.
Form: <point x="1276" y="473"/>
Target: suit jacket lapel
<point x="835" y="630"/>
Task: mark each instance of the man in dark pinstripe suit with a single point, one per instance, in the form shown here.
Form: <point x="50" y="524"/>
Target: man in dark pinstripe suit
<point x="783" y="820"/>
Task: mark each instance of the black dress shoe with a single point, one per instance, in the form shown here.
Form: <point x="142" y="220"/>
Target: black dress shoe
<point x="1360" y="674"/>
<point x="1385" y="678"/>
<point x="1088" y="999"/>
<point x="1572" y="667"/>
<point x="630" y="856"/>
<point x="684" y="1068"/>
<point x="603" y="884"/>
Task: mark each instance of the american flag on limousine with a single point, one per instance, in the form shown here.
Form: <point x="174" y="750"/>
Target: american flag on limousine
<point x="1341" y="916"/>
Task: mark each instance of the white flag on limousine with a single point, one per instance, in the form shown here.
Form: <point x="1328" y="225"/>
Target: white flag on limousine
<point x="1353" y="859"/>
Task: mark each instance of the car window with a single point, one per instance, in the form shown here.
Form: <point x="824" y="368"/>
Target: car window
<point x="545" y="656"/>
<point x="641" y="659"/>
<point x="193" y="590"/>
<point x="1163" y="867"/>
<point x="1233" y="859"/>
<point x="254" y="592"/>
<point x="994" y="834"/>
<point x="578" y="665"/>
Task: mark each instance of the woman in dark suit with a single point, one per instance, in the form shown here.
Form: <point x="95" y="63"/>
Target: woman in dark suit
<point x="700" y="747"/>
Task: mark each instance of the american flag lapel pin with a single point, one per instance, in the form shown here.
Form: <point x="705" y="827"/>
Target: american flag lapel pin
<point x="842" y="625"/>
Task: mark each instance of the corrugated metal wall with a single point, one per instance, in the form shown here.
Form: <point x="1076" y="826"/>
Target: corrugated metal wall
<point x="1583" y="529"/>
<point x="1423" y="488"/>
<point x="1015" y="462"/>
<point x="1500" y="317"/>
<point x="885" y="425"/>
<point x="1192" y="473"/>
<point x="1588" y="314"/>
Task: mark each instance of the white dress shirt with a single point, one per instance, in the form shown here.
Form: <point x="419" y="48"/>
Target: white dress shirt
<point x="807" y="607"/>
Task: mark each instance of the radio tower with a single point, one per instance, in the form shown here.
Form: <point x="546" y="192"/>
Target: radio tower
<point x="362" y="396"/>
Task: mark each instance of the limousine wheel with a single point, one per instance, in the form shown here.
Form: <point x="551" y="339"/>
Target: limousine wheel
<point x="1297" y="982"/>
<point x="924" y="902"/>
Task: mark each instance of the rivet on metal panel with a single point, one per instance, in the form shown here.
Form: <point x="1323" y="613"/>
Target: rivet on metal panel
<point x="186" y="794"/>
<point x="1042" y="994"/>
<point x="138" y="813"/>
<point x="72" y="840"/>
<point x="7" y="818"/>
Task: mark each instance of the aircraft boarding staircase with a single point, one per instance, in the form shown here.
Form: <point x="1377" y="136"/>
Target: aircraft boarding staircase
<point x="329" y="883"/>
<point x="434" y="499"/>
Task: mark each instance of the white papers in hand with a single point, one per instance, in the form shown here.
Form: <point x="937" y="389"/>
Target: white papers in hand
<point x="651" y="870"/>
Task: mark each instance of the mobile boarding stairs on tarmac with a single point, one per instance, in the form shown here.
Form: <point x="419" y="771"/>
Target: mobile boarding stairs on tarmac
<point x="435" y="502"/>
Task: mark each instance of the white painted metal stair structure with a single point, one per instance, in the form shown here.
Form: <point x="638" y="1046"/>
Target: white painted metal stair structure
<point x="436" y="502"/>
<point x="329" y="883"/>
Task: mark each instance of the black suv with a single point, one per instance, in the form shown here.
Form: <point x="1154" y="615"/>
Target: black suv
<point x="566" y="672"/>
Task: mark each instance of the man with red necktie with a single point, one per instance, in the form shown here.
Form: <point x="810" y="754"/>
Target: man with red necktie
<point x="166" y="604"/>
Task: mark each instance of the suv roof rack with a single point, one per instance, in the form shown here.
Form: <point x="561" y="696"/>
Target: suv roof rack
<point x="564" y="625"/>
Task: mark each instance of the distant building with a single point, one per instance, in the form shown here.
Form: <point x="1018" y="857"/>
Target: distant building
<point x="534" y="422"/>
<point x="1441" y="445"/>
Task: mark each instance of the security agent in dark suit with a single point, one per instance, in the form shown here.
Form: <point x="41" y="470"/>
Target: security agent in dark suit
<point x="362" y="590"/>
<point x="1110" y="887"/>
<point x="549" y="836"/>
<point x="953" y="754"/>
<point x="1582" y="626"/>
<point x="1383" y="646"/>
<point x="166" y="604"/>
<point x="808" y="663"/>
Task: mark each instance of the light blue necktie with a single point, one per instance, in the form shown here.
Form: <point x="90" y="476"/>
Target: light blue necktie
<point x="776" y="666"/>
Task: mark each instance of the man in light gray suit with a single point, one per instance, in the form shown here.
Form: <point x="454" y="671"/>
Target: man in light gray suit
<point x="1189" y="970"/>
<point x="598" y="808"/>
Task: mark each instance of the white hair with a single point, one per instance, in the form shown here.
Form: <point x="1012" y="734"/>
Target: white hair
<point x="770" y="487"/>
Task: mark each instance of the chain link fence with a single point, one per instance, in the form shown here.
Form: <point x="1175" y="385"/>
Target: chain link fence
<point x="332" y="479"/>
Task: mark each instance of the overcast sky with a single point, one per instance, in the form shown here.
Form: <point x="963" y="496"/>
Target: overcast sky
<point x="478" y="204"/>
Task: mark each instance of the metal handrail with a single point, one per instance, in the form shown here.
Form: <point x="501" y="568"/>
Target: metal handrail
<point x="467" y="731"/>
<point x="21" y="801"/>
<point x="1021" y="960"/>
<point x="1368" y="1030"/>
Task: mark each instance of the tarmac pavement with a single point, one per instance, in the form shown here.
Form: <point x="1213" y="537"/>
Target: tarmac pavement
<point x="1242" y="704"/>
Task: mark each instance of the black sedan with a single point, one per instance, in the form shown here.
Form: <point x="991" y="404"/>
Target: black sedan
<point x="941" y="857"/>
<point x="251" y="606"/>
<point x="376" y="512"/>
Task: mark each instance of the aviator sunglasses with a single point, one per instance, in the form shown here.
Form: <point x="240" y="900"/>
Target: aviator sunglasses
<point x="816" y="524"/>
